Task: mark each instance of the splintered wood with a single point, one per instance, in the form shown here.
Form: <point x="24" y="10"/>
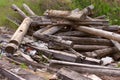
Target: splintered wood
<point x="73" y="38"/>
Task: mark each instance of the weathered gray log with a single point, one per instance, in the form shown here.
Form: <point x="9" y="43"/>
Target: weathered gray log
<point x="65" y="22"/>
<point x="64" y="55"/>
<point x="18" y="36"/>
<point x="10" y="75"/>
<point x="102" y="52"/>
<point x="98" y="32"/>
<point x="15" y="8"/>
<point x="88" y="41"/>
<point x="52" y="30"/>
<point x="41" y="30"/>
<point x="72" y="33"/>
<point x="68" y="74"/>
<point x="27" y="8"/>
<point x="78" y="16"/>
<point x="52" y="38"/>
<point x="88" y="47"/>
<point x="87" y="68"/>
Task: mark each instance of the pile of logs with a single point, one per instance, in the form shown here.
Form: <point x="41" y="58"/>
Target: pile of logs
<point x="73" y="38"/>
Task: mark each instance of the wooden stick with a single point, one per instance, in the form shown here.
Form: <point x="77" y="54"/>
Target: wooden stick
<point x="14" y="20"/>
<point x="27" y="8"/>
<point x="15" y="8"/>
<point x="18" y="36"/>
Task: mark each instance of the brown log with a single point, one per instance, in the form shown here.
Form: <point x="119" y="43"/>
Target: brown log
<point x="87" y="68"/>
<point x="18" y="36"/>
<point x="68" y="74"/>
<point x="27" y="8"/>
<point x="102" y="52"/>
<point x="15" y="8"/>
<point x="88" y="41"/>
<point x="88" y="47"/>
<point x="98" y="32"/>
<point x="78" y="16"/>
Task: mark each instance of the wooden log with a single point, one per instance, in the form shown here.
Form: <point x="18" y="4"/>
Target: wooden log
<point x="67" y="74"/>
<point x="18" y="36"/>
<point x="52" y="38"/>
<point x="72" y="33"/>
<point x="88" y="41"/>
<point x="27" y="8"/>
<point x="88" y="47"/>
<point x="52" y="30"/>
<point x="41" y="30"/>
<point x="77" y="16"/>
<point x="65" y="56"/>
<point x="87" y="68"/>
<point x="15" y="8"/>
<point x="102" y="52"/>
<point x="65" y="22"/>
<point x="98" y="32"/>
<point x="113" y="28"/>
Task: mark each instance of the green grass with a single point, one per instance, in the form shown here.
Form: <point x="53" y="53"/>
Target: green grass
<point x="5" y="8"/>
<point x="110" y="8"/>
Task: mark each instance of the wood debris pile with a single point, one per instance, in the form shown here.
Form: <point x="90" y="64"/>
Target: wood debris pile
<point x="71" y="39"/>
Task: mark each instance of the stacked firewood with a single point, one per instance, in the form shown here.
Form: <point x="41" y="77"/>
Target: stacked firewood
<point x="73" y="38"/>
